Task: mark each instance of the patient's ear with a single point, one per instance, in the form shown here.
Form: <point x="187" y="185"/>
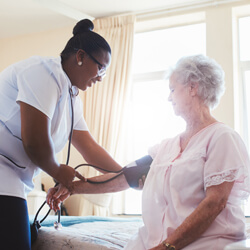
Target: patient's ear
<point x="193" y="88"/>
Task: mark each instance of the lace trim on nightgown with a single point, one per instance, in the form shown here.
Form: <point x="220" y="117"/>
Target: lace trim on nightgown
<point x="216" y="179"/>
<point x="241" y="185"/>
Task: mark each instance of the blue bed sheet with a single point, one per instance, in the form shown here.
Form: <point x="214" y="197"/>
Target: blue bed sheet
<point x="72" y="220"/>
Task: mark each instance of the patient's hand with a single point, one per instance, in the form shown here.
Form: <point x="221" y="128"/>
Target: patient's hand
<point x="56" y="195"/>
<point x="141" y="183"/>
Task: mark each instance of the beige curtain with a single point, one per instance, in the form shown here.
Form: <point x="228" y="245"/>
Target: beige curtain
<point x="104" y="103"/>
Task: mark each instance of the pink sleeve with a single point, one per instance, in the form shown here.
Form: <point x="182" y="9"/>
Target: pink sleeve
<point x="152" y="151"/>
<point x="227" y="160"/>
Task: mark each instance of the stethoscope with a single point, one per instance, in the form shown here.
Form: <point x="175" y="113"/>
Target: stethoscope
<point x="57" y="224"/>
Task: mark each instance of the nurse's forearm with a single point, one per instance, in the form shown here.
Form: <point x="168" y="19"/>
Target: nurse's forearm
<point x="115" y="185"/>
<point x="92" y="152"/>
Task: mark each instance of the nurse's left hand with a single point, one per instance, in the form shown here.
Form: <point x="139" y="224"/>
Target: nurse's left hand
<point x="56" y="195"/>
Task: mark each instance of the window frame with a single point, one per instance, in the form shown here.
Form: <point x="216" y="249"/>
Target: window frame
<point x="242" y="116"/>
<point x="244" y="67"/>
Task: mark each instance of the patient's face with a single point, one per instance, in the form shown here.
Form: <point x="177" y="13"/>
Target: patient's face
<point x="180" y="97"/>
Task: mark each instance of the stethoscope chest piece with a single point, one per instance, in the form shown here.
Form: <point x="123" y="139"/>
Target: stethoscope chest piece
<point x="57" y="225"/>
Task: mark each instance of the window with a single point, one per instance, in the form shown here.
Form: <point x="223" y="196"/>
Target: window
<point x="244" y="58"/>
<point x="244" y="38"/>
<point x="151" y="115"/>
<point x="244" y="55"/>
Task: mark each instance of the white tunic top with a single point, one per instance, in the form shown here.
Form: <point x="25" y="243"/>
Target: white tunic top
<point x="176" y="184"/>
<point x="41" y="83"/>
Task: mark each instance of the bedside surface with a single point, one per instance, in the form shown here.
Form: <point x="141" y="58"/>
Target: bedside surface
<point x="243" y="244"/>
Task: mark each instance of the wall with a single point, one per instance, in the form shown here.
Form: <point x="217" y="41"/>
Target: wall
<point x="49" y="43"/>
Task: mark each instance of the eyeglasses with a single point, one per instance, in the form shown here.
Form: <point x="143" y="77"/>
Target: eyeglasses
<point x="101" y="68"/>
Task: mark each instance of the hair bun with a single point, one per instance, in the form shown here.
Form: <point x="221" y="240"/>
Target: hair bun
<point x="82" y="26"/>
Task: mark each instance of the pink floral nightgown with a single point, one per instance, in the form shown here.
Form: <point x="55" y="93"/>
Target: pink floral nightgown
<point x="176" y="184"/>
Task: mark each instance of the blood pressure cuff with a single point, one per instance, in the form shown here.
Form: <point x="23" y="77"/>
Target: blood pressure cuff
<point x="135" y="170"/>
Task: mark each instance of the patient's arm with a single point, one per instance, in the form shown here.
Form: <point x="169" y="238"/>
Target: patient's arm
<point x="58" y="194"/>
<point x="201" y="218"/>
<point x="115" y="185"/>
<point x="132" y="175"/>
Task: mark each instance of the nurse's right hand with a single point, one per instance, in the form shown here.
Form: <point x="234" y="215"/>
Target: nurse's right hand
<point x="66" y="174"/>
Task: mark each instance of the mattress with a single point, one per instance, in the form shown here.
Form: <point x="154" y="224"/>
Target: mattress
<point x="88" y="232"/>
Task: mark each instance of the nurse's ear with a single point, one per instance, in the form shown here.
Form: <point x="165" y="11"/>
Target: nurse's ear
<point x="80" y="55"/>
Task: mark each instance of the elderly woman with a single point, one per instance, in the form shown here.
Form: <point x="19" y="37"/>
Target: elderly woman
<point x="192" y="193"/>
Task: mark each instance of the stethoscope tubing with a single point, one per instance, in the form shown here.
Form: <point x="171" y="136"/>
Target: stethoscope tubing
<point x="119" y="172"/>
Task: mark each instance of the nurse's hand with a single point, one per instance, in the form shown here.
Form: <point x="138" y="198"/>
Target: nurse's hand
<point x="56" y="195"/>
<point x="66" y="174"/>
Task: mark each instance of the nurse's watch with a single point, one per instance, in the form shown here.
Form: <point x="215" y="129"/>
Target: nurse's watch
<point x="168" y="246"/>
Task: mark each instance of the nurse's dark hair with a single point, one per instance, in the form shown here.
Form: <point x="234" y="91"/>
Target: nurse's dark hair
<point x="86" y="39"/>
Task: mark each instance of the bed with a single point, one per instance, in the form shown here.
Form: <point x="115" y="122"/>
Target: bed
<point x="88" y="233"/>
<point x="97" y="233"/>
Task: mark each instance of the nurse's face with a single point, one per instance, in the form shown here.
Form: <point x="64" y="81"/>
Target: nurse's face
<point x="91" y="68"/>
<point x="179" y="97"/>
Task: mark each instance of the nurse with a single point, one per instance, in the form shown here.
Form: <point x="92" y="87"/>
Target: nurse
<point x="35" y="124"/>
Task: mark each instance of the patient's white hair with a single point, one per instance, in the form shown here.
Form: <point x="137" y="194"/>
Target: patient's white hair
<point x="204" y="71"/>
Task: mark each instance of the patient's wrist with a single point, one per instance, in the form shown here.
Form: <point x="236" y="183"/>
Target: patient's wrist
<point x="168" y="246"/>
<point x="78" y="187"/>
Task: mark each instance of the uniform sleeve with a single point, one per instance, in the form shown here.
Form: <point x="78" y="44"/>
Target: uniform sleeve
<point x="79" y="121"/>
<point x="228" y="160"/>
<point x="38" y="88"/>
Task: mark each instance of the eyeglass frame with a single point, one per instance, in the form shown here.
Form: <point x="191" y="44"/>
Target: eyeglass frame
<point x="102" y="71"/>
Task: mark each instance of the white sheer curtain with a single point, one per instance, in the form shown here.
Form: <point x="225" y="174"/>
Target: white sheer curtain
<point x="104" y="103"/>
